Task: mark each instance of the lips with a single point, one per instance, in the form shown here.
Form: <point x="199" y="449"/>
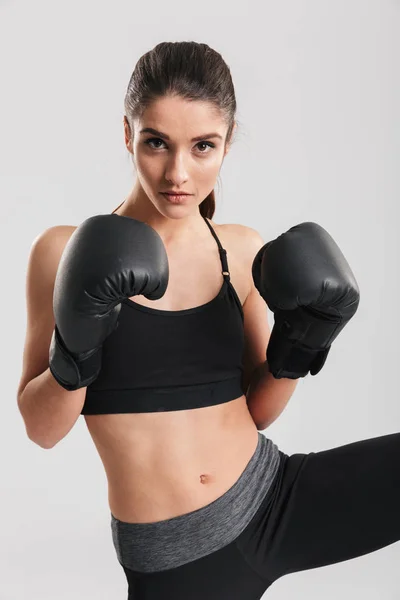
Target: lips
<point x="175" y="198"/>
<point x="176" y="193"/>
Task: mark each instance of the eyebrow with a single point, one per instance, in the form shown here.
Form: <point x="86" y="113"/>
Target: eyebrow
<point x="166" y="137"/>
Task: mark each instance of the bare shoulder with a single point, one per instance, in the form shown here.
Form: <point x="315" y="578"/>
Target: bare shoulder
<point x="246" y="240"/>
<point x="242" y="244"/>
<point x="57" y="234"/>
<point x="46" y="251"/>
<point x="44" y="258"/>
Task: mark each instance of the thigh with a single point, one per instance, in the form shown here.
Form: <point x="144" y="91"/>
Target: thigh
<point x="327" y="507"/>
<point x="223" y="574"/>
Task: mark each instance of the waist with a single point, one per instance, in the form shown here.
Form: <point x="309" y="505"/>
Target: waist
<point x="161" y="399"/>
<point x="164" y="464"/>
<point x="172" y="542"/>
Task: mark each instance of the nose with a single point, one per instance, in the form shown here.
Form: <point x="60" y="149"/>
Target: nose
<point x="176" y="171"/>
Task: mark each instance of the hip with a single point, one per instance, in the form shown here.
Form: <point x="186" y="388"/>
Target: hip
<point x="170" y="543"/>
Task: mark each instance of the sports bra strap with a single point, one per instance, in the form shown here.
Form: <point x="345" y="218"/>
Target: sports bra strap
<point x="222" y="253"/>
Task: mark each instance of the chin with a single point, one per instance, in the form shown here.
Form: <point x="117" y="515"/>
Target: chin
<point x="176" y="211"/>
<point x="179" y="212"/>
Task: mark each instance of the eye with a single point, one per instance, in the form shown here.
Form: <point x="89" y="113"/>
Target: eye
<point x="150" y="141"/>
<point x="153" y="140"/>
<point x="207" y="144"/>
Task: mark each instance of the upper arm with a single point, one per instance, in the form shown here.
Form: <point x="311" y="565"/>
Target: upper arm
<point x="44" y="257"/>
<point x="256" y="327"/>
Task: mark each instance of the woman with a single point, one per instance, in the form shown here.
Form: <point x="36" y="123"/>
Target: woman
<point x="158" y="338"/>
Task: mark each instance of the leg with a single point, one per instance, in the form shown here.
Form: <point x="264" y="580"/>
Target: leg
<point x="327" y="507"/>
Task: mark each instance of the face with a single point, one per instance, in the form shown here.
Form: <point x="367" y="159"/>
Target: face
<point x="169" y="158"/>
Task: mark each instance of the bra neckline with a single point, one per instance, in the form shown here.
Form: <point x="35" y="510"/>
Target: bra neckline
<point x="173" y="313"/>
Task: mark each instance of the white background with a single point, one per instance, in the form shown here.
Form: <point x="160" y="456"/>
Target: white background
<point x="318" y="94"/>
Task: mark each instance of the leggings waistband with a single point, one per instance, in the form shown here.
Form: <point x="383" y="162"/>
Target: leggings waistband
<point x="150" y="547"/>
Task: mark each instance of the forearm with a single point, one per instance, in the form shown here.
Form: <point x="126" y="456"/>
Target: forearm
<point x="267" y="397"/>
<point x="48" y="410"/>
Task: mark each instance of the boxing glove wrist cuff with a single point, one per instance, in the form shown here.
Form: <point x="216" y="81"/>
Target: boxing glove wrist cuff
<point x="291" y="359"/>
<point x="72" y="372"/>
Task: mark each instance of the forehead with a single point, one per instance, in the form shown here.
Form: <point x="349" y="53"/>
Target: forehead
<point x="176" y="112"/>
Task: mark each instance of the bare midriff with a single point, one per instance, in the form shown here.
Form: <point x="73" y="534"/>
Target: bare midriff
<point x="162" y="465"/>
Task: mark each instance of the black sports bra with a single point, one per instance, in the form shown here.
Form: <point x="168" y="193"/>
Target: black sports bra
<point x="161" y="360"/>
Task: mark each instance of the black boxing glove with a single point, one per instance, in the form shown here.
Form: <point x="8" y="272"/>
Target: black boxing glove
<point x="309" y="286"/>
<point x="107" y="258"/>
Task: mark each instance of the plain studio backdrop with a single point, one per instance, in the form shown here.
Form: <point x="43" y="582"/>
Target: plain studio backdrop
<point x="318" y="94"/>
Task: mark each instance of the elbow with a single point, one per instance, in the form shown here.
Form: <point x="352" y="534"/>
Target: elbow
<point x="38" y="438"/>
<point x="34" y="434"/>
<point x="44" y="443"/>
<point x="262" y="426"/>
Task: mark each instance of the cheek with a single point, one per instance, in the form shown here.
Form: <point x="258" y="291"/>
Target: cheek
<point x="208" y="170"/>
<point x="147" y="166"/>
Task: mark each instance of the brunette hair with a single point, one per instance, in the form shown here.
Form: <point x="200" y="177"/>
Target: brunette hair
<point x="191" y="70"/>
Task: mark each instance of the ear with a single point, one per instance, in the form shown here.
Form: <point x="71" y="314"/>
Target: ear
<point x="128" y="135"/>
<point x="229" y="142"/>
